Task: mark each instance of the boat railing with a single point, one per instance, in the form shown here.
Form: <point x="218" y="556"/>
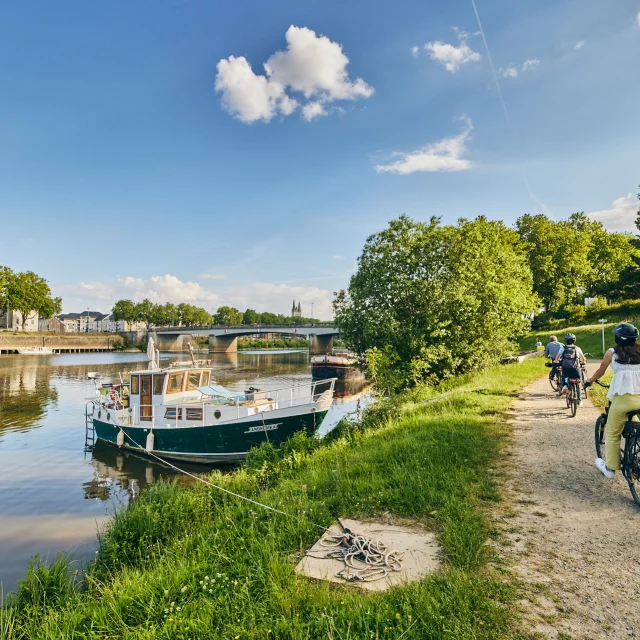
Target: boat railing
<point x="284" y="397"/>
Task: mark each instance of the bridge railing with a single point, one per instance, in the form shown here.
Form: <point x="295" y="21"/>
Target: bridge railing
<point x="265" y="327"/>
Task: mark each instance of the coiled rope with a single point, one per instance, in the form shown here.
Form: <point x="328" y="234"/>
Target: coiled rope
<point x="365" y="560"/>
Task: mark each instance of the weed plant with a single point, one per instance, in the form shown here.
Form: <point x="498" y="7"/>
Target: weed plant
<point x="190" y="562"/>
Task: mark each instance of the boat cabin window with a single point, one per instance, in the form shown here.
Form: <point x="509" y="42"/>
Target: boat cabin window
<point x="171" y="413"/>
<point x="194" y="380"/>
<point x="158" y="383"/>
<point x="176" y="381"/>
<point x="135" y="388"/>
<point x="205" y="378"/>
<point x="194" y="414"/>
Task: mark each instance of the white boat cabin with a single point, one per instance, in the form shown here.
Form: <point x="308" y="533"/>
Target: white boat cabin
<point x="186" y="395"/>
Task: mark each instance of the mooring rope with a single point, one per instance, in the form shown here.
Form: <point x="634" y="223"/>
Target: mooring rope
<point x="211" y="484"/>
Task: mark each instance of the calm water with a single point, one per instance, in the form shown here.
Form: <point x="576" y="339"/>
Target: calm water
<point x="53" y="495"/>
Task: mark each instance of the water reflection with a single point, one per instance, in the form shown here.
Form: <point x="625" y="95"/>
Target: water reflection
<point x="118" y="471"/>
<point x="24" y="395"/>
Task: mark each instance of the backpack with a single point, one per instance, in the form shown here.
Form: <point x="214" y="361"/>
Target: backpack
<point x="570" y="357"/>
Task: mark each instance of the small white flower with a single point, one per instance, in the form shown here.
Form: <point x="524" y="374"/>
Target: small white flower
<point x="206" y="577"/>
<point x="173" y="604"/>
<point x="183" y="589"/>
<point x="178" y="608"/>
<point x="166" y="592"/>
<point x="166" y="610"/>
<point x="201" y="581"/>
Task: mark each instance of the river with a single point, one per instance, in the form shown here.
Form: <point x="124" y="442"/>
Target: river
<point x="54" y="496"/>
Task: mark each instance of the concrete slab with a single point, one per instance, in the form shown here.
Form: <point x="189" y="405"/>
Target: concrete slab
<point x="419" y="547"/>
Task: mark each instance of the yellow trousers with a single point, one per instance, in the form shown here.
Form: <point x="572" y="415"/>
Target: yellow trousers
<point x="620" y="406"/>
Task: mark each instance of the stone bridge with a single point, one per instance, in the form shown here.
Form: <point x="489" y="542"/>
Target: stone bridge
<point x="224" y="339"/>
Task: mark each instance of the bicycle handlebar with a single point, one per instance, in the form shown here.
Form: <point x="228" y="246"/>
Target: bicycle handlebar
<point x="600" y="384"/>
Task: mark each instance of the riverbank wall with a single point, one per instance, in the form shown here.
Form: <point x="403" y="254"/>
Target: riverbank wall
<point x="61" y="342"/>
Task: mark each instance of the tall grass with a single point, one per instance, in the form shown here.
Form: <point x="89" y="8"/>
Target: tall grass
<point x="191" y="562"/>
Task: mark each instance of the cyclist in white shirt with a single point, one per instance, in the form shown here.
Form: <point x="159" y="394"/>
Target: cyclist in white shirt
<point x="624" y="391"/>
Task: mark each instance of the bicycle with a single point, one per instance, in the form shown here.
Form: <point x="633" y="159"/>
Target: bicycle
<point x="556" y="379"/>
<point x="573" y="396"/>
<point x="630" y="453"/>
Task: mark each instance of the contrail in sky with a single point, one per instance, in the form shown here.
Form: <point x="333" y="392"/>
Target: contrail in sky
<point x="542" y="206"/>
<point x="493" y="69"/>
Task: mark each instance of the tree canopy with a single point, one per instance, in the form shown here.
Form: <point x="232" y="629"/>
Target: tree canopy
<point x="27" y="293"/>
<point x="429" y="301"/>
<point x="572" y="259"/>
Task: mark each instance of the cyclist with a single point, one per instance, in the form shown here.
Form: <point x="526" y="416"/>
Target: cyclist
<point x="624" y="392"/>
<point x="551" y="351"/>
<point x="571" y="359"/>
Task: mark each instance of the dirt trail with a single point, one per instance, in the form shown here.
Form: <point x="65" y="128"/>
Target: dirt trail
<point x="572" y="535"/>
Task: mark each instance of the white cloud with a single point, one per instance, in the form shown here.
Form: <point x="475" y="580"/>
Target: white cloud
<point x="513" y="71"/>
<point x="247" y="96"/>
<point x="415" y="51"/>
<point x="445" y="155"/>
<point x="312" y="67"/>
<point x="212" y="276"/>
<point x="621" y="216"/>
<point x="262" y="296"/>
<point x="313" y="110"/>
<point x="638" y="18"/>
<point x="450" y="56"/>
<point x="579" y="44"/>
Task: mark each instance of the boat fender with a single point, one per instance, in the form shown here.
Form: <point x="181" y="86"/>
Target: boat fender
<point x="150" y="442"/>
<point x="120" y="438"/>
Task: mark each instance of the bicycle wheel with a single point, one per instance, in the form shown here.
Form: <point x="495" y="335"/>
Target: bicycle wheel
<point x="574" y="403"/>
<point x="631" y="465"/>
<point x="553" y="381"/>
<point x="601" y="424"/>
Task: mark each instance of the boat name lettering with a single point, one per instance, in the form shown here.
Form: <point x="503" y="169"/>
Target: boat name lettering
<point x="266" y="427"/>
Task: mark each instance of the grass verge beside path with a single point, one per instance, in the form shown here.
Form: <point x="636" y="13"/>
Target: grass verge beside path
<point x="189" y="562"/>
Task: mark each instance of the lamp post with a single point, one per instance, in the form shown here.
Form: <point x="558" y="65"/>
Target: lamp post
<point x="602" y="321"/>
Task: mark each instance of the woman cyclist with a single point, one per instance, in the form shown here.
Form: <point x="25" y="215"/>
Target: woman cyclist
<point x="624" y="392"/>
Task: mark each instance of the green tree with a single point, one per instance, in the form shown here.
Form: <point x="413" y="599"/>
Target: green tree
<point x="269" y="318"/>
<point x="627" y="287"/>
<point x="5" y="276"/>
<point x="146" y="312"/>
<point x="124" y="310"/>
<point x="30" y="294"/>
<point x="430" y="301"/>
<point x="228" y="315"/>
<point x="608" y="255"/>
<point x="544" y="242"/>
<point x="251" y="317"/>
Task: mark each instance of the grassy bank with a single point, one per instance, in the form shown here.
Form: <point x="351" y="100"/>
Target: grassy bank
<point x="588" y="338"/>
<point x="190" y="562"/>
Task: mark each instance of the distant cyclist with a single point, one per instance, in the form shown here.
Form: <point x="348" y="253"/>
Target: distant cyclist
<point x="624" y="391"/>
<point x="571" y="359"/>
<point x="551" y="351"/>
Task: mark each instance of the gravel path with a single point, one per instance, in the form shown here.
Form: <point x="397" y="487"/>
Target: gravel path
<point x="572" y="536"/>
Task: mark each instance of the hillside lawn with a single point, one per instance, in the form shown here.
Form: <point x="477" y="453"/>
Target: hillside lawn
<point x="588" y="338"/>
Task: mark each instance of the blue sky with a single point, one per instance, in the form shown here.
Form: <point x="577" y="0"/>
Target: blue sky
<point x="146" y="150"/>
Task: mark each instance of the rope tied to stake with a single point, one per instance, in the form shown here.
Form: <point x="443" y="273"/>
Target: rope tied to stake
<point x="364" y="559"/>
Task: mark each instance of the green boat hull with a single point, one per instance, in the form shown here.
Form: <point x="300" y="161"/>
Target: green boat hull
<point x="220" y="443"/>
